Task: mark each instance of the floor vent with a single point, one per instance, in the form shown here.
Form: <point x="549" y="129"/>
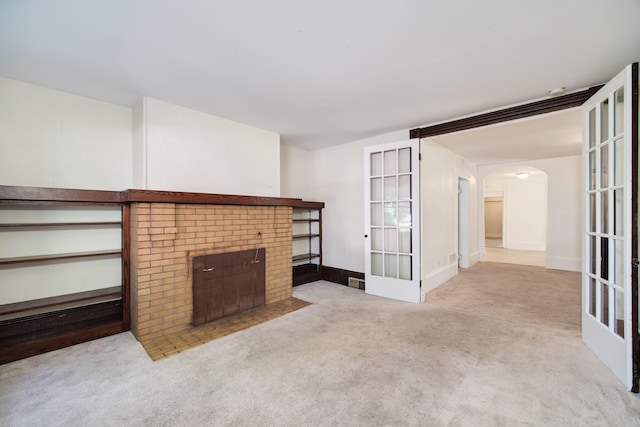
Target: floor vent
<point x="356" y="283"/>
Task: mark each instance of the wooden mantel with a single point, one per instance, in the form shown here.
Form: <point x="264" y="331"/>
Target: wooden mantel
<point x="43" y="194"/>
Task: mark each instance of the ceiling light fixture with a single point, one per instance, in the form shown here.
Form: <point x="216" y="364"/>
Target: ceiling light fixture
<point x="557" y="91"/>
<point x="522" y="175"/>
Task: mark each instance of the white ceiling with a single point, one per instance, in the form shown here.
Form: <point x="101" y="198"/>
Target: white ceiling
<point x="319" y="73"/>
<point x="544" y="136"/>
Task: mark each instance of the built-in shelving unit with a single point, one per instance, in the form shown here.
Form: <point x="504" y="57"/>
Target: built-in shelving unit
<point x="307" y="242"/>
<point x="62" y="269"/>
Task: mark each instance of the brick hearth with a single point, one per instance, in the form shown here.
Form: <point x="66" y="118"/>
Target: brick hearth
<point x="166" y="236"/>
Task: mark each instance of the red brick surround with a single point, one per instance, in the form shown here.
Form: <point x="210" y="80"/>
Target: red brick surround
<point x="166" y="236"/>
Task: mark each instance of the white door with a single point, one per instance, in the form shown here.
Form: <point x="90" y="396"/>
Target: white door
<point x="392" y="220"/>
<point x="609" y="290"/>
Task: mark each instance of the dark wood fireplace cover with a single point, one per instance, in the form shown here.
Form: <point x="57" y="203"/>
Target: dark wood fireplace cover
<point x="227" y="283"/>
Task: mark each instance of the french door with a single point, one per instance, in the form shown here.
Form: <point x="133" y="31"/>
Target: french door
<point x="392" y="221"/>
<point x="610" y="273"/>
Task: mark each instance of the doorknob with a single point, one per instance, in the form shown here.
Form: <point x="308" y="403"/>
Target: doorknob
<point x="206" y="270"/>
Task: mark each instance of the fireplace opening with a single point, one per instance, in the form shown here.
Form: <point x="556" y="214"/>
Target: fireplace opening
<point x="227" y="283"/>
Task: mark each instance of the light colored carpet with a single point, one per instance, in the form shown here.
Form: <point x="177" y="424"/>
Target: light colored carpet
<point x="497" y="346"/>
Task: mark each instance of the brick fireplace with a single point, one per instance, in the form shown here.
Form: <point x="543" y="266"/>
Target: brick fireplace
<point x="166" y="236"/>
<point x="162" y="231"/>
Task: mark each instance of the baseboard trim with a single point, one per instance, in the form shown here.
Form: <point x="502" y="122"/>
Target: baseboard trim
<point x="306" y="273"/>
<point x="563" y="263"/>
<point x="473" y="260"/>
<point x="438" y="277"/>
<point x="339" y="275"/>
<point x="525" y="246"/>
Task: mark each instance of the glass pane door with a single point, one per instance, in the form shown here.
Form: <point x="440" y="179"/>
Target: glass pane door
<point x="391" y="190"/>
<point x="606" y="236"/>
<point x="610" y="285"/>
<point x="390" y="185"/>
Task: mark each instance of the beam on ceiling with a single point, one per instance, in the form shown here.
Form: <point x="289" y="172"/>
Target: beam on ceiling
<point x="571" y="100"/>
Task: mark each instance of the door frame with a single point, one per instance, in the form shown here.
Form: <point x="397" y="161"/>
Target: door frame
<point x="635" y="296"/>
<point x="464" y="260"/>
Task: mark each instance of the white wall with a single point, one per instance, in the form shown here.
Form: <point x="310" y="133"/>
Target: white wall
<point x="187" y="150"/>
<point x="294" y="172"/>
<point x="564" y="217"/>
<point x="440" y="170"/>
<point x="139" y="144"/>
<point x="525" y="209"/>
<point x="54" y="139"/>
<point x="337" y="178"/>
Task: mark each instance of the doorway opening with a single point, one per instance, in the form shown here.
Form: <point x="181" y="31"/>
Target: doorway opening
<point x="493" y="220"/>
<point x="515" y="215"/>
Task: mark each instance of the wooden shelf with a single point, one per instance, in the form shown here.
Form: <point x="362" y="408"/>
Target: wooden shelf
<point x="304" y="236"/>
<point x="52" y="257"/>
<point x="303" y="257"/>
<point x="307" y="229"/>
<point x="59" y="224"/>
<point x="61" y="302"/>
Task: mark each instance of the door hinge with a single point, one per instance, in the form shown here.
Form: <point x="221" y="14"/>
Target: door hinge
<point x="634" y="262"/>
<point x="420" y="284"/>
<point x="419" y="156"/>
